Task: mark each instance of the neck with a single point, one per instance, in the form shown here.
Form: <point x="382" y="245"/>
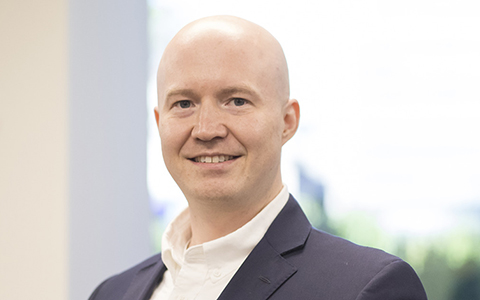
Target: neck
<point x="211" y="220"/>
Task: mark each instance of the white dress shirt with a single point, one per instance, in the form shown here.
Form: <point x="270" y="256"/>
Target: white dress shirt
<point x="203" y="271"/>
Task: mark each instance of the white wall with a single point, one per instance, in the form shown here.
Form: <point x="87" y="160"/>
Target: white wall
<point x="33" y="150"/>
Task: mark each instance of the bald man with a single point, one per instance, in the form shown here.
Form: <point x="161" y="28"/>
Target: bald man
<point x="224" y="113"/>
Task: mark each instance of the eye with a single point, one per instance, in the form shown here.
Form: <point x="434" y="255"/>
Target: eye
<point x="239" y="101"/>
<point x="183" y="104"/>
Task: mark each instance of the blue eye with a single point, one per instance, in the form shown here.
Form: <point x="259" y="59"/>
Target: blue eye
<point x="184" y="104"/>
<point x="239" y="101"/>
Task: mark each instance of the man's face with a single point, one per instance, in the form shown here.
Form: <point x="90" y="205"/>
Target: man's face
<point x="221" y="120"/>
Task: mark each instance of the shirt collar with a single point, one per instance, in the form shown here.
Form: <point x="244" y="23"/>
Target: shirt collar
<point x="227" y="252"/>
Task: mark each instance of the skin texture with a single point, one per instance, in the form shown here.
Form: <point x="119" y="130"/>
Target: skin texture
<point x="223" y="90"/>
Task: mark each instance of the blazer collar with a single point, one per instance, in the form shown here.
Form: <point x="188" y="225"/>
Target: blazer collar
<point x="265" y="269"/>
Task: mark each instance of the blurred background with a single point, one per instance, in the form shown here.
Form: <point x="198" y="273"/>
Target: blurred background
<point x="387" y="153"/>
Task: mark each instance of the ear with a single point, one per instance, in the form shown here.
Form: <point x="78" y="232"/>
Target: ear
<point x="157" y="116"/>
<point x="291" y="119"/>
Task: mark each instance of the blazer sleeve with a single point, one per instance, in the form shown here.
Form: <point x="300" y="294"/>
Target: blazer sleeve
<point x="396" y="281"/>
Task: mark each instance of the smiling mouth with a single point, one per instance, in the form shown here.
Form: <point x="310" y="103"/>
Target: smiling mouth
<point x="213" y="159"/>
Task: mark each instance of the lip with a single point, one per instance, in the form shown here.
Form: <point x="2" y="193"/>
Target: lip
<point x="213" y="159"/>
<point x="217" y="165"/>
<point x="211" y="154"/>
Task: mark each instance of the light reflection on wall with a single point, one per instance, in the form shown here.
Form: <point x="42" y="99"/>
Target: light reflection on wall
<point x="390" y="111"/>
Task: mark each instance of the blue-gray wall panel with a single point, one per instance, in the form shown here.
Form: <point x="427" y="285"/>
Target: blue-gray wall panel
<point x="109" y="208"/>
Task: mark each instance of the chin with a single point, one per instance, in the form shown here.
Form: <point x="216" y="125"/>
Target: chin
<point x="213" y="194"/>
<point x="216" y="195"/>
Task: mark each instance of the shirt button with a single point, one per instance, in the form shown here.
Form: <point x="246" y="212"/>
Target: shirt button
<point x="217" y="273"/>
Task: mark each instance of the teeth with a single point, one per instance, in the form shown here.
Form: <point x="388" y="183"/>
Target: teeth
<point x="213" y="159"/>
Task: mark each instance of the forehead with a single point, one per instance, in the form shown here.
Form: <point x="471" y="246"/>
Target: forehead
<point x="214" y="61"/>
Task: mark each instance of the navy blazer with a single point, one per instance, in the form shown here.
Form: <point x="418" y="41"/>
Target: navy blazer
<point x="292" y="261"/>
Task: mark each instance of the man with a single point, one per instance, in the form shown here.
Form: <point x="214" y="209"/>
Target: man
<point x="223" y="115"/>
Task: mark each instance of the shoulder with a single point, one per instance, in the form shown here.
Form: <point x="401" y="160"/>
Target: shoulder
<point x="341" y="267"/>
<point x="329" y="267"/>
<point x="116" y="286"/>
<point x="340" y="251"/>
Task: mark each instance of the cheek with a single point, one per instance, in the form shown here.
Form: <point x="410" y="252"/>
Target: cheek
<point x="172" y="136"/>
<point x="263" y="134"/>
<point x="270" y="127"/>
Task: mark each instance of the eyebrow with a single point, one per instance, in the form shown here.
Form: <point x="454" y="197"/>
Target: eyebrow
<point x="222" y="93"/>
<point x="236" y="89"/>
<point x="182" y="92"/>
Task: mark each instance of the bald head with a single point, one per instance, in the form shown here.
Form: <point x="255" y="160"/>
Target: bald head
<point x="229" y="41"/>
<point x="223" y="98"/>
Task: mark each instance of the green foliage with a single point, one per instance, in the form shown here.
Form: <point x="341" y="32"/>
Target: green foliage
<point x="447" y="263"/>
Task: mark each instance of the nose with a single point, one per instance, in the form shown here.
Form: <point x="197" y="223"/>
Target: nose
<point x="209" y="124"/>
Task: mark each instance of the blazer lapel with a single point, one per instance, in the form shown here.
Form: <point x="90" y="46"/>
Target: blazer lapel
<point x="259" y="276"/>
<point x="265" y="269"/>
<point x="145" y="281"/>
